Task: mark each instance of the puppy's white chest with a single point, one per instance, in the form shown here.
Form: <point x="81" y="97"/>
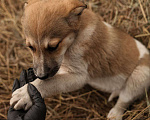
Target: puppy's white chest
<point x="108" y="84"/>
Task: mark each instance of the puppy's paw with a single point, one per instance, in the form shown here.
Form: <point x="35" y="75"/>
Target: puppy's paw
<point x="115" y="114"/>
<point x="21" y="99"/>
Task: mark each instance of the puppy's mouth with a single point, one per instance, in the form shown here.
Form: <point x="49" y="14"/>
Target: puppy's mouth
<point x="54" y="71"/>
<point x="50" y="74"/>
<point x="43" y="78"/>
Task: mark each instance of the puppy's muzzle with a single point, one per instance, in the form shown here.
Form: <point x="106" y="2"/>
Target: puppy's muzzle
<point x="48" y="73"/>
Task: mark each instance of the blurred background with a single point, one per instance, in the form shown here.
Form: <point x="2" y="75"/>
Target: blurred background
<point x="131" y="16"/>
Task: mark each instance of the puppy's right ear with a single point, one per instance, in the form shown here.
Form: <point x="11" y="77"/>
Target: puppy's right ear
<point x="75" y="14"/>
<point x="24" y="6"/>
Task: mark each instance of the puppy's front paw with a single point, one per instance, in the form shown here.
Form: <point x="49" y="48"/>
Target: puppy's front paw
<point x="21" y="99"/>
<point x="115" y="114"/>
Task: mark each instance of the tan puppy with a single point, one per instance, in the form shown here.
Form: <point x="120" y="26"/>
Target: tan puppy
<point x="72" y="47"/>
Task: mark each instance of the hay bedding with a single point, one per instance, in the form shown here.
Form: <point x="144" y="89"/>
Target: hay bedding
<point x="131" y="16"/>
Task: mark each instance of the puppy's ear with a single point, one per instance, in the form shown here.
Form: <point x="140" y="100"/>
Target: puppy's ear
<point x="24" y="6"/>
<point x="78" y="11"/>
<point x="75" y="14"/>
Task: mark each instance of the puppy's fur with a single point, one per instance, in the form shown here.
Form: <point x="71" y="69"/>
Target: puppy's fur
<point x="74" y="47"/>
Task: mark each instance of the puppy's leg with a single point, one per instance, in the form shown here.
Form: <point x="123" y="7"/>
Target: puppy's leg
<point x="55" y="85"/>
<point x="133" y="89"/>
<point x="60" y="84"/>
<point x="113" y="95"/>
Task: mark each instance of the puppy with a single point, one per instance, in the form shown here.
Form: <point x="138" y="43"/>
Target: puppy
<point x="72" y="46"/>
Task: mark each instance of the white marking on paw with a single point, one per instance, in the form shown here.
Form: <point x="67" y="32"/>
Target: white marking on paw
<point x="115" y="114"/>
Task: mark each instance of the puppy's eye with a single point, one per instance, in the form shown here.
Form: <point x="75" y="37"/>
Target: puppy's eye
<point x="51" y="49"/>
<point x="33" y="49"/>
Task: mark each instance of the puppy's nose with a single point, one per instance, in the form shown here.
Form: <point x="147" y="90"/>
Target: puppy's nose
<point x="42" y="74"/>
<point x="43" y="77"/>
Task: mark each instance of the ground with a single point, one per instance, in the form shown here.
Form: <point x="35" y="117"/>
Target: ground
<point x="131" y="16"/>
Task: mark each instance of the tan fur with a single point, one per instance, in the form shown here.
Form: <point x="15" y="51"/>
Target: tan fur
<point x="114" y="54"/>
<point x="89" y="51"/>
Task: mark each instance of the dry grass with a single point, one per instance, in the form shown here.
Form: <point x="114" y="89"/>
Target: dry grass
<point x="132" y="16"/>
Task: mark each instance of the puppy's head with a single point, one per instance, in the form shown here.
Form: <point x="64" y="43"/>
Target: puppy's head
<point x="50" y="27"/>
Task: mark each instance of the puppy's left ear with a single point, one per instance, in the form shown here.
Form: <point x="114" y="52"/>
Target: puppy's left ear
<point x="75" y="14"/>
